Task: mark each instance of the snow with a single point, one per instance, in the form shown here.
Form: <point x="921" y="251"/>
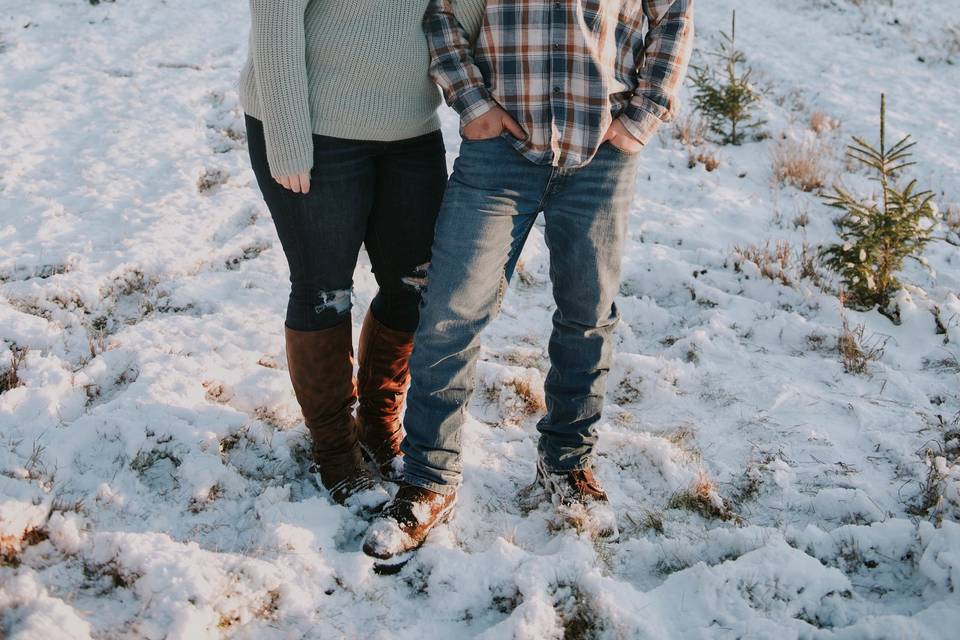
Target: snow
<point x="153" y="465"/>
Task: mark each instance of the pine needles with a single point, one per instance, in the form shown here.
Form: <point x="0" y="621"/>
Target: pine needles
<point x="880" y="232"/>
<point x="727" y="99"/>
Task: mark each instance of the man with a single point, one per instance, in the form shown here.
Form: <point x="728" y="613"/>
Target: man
<point x="556" y="99"/>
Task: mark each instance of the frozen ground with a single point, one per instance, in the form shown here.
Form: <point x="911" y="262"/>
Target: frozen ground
<point x="152" y="471"/>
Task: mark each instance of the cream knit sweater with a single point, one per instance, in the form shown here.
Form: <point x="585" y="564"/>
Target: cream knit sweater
<point x="343" y="68"/>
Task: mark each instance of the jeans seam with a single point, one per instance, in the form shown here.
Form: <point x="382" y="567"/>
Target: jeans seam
<point x="501" y="290"/>
<point x="301" y="250"/>
<point x="546" y="191"/>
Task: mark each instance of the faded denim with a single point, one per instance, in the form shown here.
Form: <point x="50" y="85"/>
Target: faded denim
<point x="491" y="203"/>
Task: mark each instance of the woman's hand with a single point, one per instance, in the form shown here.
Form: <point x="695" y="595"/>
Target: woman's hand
<point x="618" y="136"/>
<point x="298" y="184"/>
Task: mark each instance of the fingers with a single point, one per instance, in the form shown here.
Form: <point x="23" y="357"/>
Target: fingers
<point x="295" y="184"/>
<point x="304" y="183"/>
<point x="515" y="129"/>
<point x="492" y="124"/>
<point x="298" y="183"/>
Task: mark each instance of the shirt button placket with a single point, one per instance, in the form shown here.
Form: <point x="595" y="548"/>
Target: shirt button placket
<point x="556" y="35"/>
<point x="557" y="29"/>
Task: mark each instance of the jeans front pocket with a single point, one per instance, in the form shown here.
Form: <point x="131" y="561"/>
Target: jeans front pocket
<point x="619" y="151"/>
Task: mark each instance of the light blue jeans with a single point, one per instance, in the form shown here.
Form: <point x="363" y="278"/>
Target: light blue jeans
<point x="491" y="203"/>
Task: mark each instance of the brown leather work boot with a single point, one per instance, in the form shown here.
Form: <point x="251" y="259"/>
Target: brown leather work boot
<point x="579" y="499"/>
<point x="403" y="525"/>
<point x="321" y="370"/>
<point x="383" y="379"/>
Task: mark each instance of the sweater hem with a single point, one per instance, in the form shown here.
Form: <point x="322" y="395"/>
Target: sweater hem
<point x="352" y="130"/>
<point x="361" y="131"/>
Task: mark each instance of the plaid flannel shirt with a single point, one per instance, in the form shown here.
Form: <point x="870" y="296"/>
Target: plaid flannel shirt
<point x="564" y="69"/>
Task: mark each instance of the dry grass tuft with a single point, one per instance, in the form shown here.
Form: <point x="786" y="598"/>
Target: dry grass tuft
<point x="629" y="390"/>
<point x="649" y="521"/>
<point x="577" y="613"/>
<point x="517" y="398"/>
<point x="939" y="495"/>
<point x="708" y="159"/>
<point x="230" y="442"/>
<point x="951" y="218"/>
<point x="690" y="130"/>
<point x="703" y="498"/>
<point x="803" y="165"/>
<point x="199" y="503"/>
<point x="802" y="219"/>
<point x="931" y="501"/>
<point x="525" y="358"/>
<point x="524" y="275"/>
<point x="268" y="362"/>
<point x="270" y="607"/>
<point x="780" y="263"/>
<point x="10" y="379"/>
<point x="275" y="417"/>
<point x="856" y="351"/>
<point x="11" y="546"/>
<point x="682" y="437"/>
<point x="772" y="261"/>
<point x="818" y="342"/>
<point x="210" y="179"/>
<point x="533" y="402"/>
<point x="216" y="391"/>
<point x="821" y="123"/>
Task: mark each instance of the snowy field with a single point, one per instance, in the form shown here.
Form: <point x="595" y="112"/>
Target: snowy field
<point x="152" y="461"/>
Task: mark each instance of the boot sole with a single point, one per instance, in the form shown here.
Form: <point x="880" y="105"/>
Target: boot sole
<point x="394" y="565"/>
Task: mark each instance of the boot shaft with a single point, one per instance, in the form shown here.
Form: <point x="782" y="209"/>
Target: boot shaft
<point x="384" y="373"/>
<point x="383" y="379"/>
<point x="320" y="364"/>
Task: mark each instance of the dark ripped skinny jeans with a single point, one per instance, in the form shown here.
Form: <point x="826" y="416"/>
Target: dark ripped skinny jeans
<point x="384" y="195"/>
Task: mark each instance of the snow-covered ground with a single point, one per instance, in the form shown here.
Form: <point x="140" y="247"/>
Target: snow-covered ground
<point x="152" y="460"/>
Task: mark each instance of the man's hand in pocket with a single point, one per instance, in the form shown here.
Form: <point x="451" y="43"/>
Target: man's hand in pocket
<point x="491" y="124"/>
<point x="618" y="136"/>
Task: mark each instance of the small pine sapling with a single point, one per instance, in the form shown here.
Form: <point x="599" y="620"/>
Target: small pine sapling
<point x="727" y="99"/>
<point x="878" y="233"/>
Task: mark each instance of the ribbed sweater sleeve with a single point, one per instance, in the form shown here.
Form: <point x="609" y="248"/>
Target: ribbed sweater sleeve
<point x="278" y="51"/>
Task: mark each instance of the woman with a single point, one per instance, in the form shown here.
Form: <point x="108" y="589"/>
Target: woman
<point x="345" y="144"/>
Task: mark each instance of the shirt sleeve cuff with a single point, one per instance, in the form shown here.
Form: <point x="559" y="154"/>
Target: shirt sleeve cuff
<point x="640" y="122"/>
<point x="473" y="103"/>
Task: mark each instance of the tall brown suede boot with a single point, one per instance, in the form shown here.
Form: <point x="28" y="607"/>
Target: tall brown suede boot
<point x="383" y="379"/>
<point x="321" y="370"/>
